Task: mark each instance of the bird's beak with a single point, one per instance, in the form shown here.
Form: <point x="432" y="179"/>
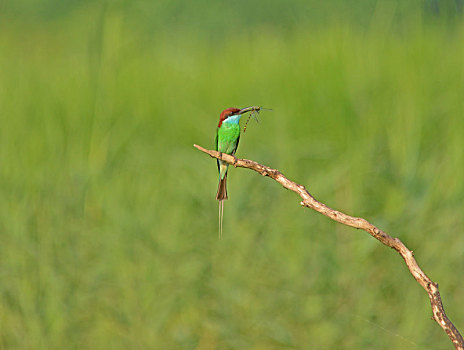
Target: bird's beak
<point x="247" y="109"/>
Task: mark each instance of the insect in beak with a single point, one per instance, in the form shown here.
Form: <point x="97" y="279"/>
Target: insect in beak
<point x="254" y="112"/>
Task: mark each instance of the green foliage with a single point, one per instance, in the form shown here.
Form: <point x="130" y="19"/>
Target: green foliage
<point x="108" y="223"/>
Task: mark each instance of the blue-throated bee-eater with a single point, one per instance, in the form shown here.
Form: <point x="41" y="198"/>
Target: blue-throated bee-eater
<point x="227" y="138"/>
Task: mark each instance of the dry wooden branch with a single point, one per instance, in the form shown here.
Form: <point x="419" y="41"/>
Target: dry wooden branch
<point x="309" y="201"/>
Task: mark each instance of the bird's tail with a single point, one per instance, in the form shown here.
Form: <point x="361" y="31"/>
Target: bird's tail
<point x="222" y="189"/>
<point x="221" y="196"/>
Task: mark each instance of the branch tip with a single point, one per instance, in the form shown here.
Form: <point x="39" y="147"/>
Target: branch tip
<point x="358" y="223"/>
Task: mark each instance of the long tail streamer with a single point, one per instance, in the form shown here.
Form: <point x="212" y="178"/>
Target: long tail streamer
<point x="221" y="217"/>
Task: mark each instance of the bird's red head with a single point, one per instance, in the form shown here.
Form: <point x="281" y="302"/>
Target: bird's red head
<point x="227" y="113"/>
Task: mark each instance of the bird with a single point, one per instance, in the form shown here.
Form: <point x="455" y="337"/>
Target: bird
<point x="227" y="138"/>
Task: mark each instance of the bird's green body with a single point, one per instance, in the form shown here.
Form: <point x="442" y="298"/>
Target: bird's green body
<point x="228" y="135"/>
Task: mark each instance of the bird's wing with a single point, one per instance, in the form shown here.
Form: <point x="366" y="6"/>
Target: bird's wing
<point x="236" y="145"/>
<point x="216" y="143"/>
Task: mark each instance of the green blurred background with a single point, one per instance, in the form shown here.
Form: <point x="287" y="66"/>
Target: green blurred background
<point x="108" y="222"/>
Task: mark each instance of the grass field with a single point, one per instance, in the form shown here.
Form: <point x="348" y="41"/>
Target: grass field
<point x="108" y="222"/>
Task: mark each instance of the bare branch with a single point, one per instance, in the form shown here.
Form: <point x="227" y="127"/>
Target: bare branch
<point x="309" y="201"/>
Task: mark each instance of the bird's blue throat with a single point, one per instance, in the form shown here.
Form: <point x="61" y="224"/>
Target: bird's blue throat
<point x="233" y="119"/>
